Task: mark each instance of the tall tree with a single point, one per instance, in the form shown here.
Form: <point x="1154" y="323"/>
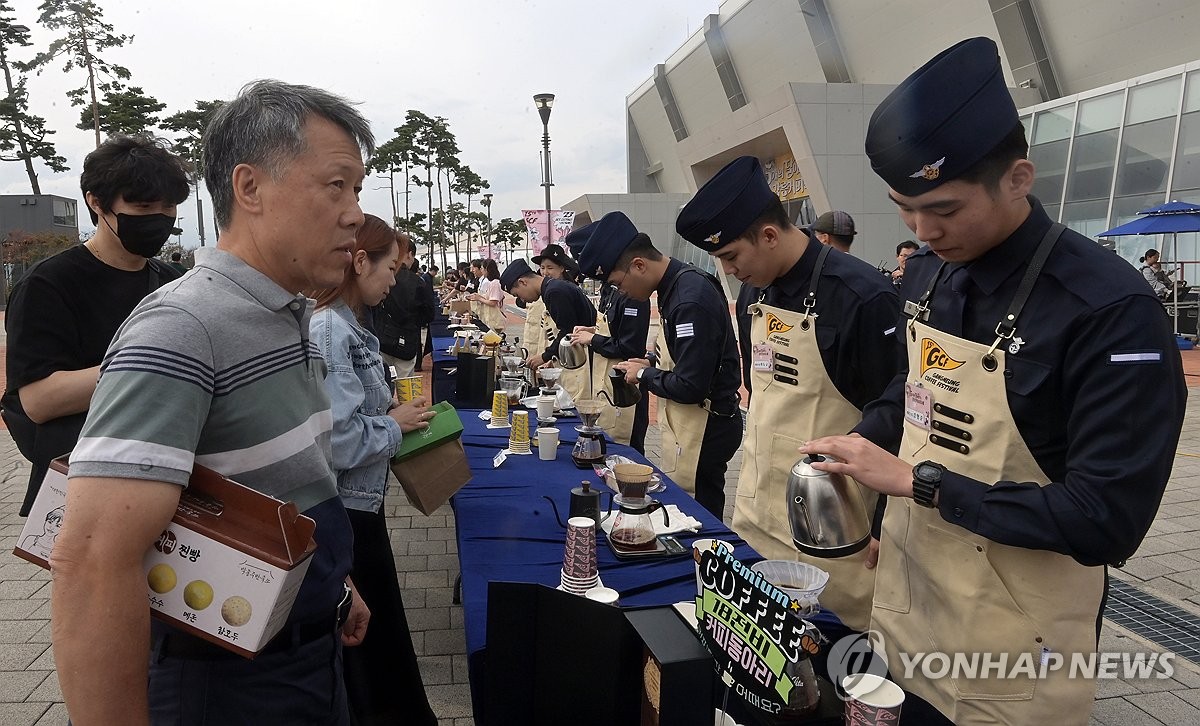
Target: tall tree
<point x="468" y="183"/>
<point x="124" y="111"/>
<point x="508" y="234"/>
<point x="84" y="37"/>
<point x="190" y="126"/>
<point x="22" y="134"/>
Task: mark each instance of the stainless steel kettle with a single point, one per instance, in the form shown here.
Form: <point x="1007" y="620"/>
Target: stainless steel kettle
<point x="572" y="356"/>
<point x="826" y="511"/>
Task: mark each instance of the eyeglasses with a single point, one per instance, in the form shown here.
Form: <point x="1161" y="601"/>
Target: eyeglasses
<point x="624" y="274"/>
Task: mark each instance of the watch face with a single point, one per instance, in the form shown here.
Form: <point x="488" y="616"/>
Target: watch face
<point x="926" y="471"/>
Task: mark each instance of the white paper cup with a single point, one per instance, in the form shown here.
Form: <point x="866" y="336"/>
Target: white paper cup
<point x="547" y="443"/>
<point x="545" y="406"/>
<point x="872" y="700"/>
<point x="606" y="595"/>
<point x="703" y="544"/>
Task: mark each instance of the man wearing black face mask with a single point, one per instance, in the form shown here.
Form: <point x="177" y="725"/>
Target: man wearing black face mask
<point x="65" y="310"/>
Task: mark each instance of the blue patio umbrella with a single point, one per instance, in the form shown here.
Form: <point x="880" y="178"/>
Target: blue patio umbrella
<point x="1170" y="218"/>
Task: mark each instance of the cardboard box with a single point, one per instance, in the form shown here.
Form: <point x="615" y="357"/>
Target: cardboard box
<point x="460" y="306"/>
<point x="226" y="569"/>
<point x="443" y="427"/>
<point x="431" y="477"/>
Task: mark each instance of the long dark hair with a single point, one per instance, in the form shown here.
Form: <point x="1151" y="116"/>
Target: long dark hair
<point x="375" y="238"/>
<point x="491" y="271"/>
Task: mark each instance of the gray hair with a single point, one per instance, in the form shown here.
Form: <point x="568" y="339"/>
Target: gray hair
<point x="264" y="126"/>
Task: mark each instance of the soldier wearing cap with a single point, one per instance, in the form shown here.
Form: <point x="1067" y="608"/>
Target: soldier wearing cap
<point x="834" y="228"/>
<point x="539" y="329"/>
<point x="699" y="379"/>
<point x="566" y="307"/>
<point x="1041" y="408"/>
<point x="620" y="333"/>
<point x="820" y="348"/>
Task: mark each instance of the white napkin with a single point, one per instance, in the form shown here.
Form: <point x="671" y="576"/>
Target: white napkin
<point x="679" y="522"/>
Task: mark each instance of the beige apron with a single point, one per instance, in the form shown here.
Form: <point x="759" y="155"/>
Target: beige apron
<point x="682" y="432"/>
<point x="578" y="382"/>
<point x="493" y="317"/>
<point x="617" y="422"/>
<point x="942" y="588"/>
<point x="533" y="334"/>
<point x="792" y="404"/>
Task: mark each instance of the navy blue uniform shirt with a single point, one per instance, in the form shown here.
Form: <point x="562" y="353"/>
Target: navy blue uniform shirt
<point x="568" y="307"/>
<point x="857" y="309"/>
<point x="698" y="333"/>
<point x="1102" y="428"/>
<point x="628" y="326"/>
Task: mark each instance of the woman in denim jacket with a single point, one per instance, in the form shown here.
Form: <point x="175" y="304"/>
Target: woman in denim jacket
<point x="383" y="681"/>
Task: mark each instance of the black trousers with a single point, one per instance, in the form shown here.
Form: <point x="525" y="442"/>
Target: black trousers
<point x="383" y="680"/>
<point x="722" y="437"/>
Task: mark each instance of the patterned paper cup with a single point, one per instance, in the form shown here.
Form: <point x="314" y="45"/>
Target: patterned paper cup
<point x="409" y="388"/>
<point x="499" y="406"/>
<point x="520" y="428"/>
<point x="873" y="700"/>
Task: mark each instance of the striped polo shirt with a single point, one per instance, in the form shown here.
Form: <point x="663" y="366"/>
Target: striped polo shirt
<point x="217" y="369"/>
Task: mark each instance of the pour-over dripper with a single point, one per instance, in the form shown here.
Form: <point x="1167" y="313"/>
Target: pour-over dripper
<point x="589" y="412"/>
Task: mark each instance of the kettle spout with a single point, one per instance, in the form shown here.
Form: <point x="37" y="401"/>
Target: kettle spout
<point x="606" y="398"/>
<point x="557" y="517"/>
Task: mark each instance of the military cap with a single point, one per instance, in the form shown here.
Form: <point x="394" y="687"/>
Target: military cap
<point x="942" y="119"/>
<point x="517" y="269"/>
<point x="726" y="205"/>
<point x="609" y="239"/>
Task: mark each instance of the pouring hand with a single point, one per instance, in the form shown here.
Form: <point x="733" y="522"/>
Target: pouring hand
<point x="631" y="367"/>
<point x="868" y="464"/>
<point x="582" y="335"/>
<point x="413" y="415"/>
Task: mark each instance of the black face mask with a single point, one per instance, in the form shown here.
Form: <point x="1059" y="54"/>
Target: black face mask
<point x="143" y="234"/>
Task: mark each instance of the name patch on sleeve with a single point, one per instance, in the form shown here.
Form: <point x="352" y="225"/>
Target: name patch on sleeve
<point x="684" y="330"/>
<point x="631" y="312"/>
<point x="1134" y="357"/>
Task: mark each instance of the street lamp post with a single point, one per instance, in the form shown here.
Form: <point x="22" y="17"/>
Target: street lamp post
<point x="544" y="101"/>
<point x="487" y="202"/>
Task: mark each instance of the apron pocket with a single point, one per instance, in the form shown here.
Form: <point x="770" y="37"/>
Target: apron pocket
<point x="971" y="615"/>
<point x="783" y="455"/>
<point x="670" y="446"/>
<point x="891" y="573"/>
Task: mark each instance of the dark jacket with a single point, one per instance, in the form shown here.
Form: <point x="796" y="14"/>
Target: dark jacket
<point x="408" y="307"/>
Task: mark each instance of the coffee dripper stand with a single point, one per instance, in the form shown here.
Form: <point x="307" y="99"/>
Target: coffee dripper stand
<point x="590" y="449"/>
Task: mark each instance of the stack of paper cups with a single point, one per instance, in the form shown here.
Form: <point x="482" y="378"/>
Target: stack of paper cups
<point x="518" y="438"/>
<point x="579" y="571"/>
<point x="499" y="408"/>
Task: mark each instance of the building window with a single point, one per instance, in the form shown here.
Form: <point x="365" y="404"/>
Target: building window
<point x="1051" y="140"/>
<point x="64" y="212"/>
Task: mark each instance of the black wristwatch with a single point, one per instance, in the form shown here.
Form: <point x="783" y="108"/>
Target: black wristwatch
<point x="927" y="480"/>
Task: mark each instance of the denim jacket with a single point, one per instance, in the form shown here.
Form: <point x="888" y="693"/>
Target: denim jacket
<point x="364" y="436"/>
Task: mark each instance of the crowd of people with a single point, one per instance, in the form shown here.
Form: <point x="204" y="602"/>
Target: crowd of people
<point x="983" y="395"/>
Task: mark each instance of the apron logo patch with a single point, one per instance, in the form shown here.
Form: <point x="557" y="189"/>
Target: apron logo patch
<point x="775" y="325"/>
<point x="932" y="356"/>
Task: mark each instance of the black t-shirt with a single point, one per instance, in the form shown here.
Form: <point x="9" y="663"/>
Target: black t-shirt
<point x="64" y="312"/>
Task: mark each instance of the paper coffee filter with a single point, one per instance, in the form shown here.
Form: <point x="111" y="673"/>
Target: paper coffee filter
<point x="633" y="473"/>
<point x="800" y="580"/>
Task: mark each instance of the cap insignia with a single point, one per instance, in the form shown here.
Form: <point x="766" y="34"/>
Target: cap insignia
<point x="930" y="171"/>
<point x="713" y="239"/>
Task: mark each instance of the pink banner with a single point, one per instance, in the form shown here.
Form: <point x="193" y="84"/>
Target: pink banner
<point x="486" y="252"/>
<point x="535" y="225"/>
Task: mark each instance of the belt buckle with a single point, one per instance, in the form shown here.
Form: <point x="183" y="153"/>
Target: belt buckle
<point x="343" y="607"/>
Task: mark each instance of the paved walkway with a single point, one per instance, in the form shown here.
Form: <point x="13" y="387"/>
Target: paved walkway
<point x="1168" y="566"/>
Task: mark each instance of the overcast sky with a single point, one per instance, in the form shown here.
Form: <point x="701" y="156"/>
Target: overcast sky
<point x="477" y="63"/>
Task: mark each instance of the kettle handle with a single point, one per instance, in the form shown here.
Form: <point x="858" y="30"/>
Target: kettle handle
<point x="813" y="532"/>
<point x="607" y="512"/>
<point x="557" y="517"/>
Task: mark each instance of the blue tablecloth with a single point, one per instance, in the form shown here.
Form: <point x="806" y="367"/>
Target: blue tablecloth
<point x="507" y="532"/>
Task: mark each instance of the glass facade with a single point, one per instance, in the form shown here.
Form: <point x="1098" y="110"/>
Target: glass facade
<point x="1105" y="155"/>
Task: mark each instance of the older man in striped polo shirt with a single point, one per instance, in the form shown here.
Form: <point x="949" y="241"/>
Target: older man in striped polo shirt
<point x="217" y="369"/>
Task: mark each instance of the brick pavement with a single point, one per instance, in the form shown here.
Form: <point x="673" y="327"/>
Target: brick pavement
<point x="1168" y="565"/>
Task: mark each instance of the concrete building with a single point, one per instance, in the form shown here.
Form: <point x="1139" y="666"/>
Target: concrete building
<point x="794" y="82"/>
<point x="32" y="214"/>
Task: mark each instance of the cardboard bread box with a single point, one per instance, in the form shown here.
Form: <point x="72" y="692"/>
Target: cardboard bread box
<point x="431" y="465"/>
<point x="226" y="569"/>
